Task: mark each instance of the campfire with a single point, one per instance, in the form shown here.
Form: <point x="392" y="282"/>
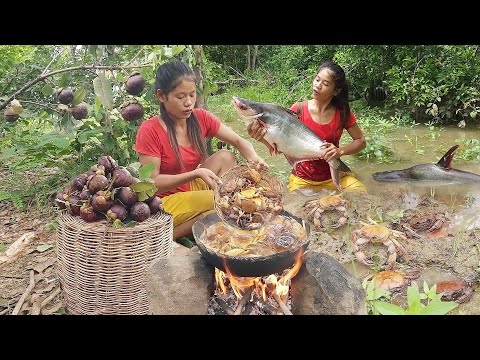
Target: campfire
<point x="265" y="295"/>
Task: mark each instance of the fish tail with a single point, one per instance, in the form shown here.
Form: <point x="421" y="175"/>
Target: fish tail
<point x="335" y="172"/>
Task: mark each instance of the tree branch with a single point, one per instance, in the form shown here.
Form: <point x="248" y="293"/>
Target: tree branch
<point x="74" y="68"/>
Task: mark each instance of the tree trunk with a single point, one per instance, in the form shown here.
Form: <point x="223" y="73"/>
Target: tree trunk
<point x="254" y="58"/>
<point x="198" y="69"/>
<point x="248" y="57"/>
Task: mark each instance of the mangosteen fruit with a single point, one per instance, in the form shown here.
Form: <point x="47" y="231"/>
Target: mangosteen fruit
<point x="135" y="84"/>
<point x="10" y="115"/>
<point x="101" y="201"/>
<point x="108" y="163"/>
<point x="79" y="182"/>
<point x="80" y="111"/>
<point x="97" y="183"/>
<point x="140" y="211"/>
<point x="127" y="196"/>
<point x="121" y="177"/>
<point x="85" y="194"/>
<point x="97" y="169"/>
<point x="132" y="112"/>
<point x="60" y="200"/>
<point x="65" y="96"/>
<point x="117" y="211"/>
<point x="155" y="204"/>
<point x="73" y="204"/>
<point x="87" y="213"/>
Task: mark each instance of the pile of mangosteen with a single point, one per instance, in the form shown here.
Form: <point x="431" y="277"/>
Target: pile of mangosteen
<point x="105" y="192"/>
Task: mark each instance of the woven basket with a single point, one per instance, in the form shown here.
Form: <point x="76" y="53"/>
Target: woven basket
<point x="267" y="180"/>
<point x="103" y="270"/>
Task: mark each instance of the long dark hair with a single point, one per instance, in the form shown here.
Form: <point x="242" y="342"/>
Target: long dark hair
<point x="340" y="101"/>
<point x="168" y="77"/>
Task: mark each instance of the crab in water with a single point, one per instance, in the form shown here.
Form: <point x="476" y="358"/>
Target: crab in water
<point x="430" y="225"/>
<point x="394" y="280"/>
<point x="375" y="233"/>
<point x="322" y="210"/>
<point x="455" y="290"/>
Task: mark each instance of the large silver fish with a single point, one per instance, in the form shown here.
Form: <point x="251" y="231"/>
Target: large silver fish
<point x="438" y="173"/>
<point x="287" y="134"/>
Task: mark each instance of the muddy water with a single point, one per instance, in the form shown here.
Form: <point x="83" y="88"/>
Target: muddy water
<point x="412" y="146"/>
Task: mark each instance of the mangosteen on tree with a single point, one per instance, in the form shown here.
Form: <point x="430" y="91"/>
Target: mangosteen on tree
<point x="132" y="111"/>
<point x="10" y="115"/>
<point x="140" y="211"/>
<point x="65" y="96"/>
<point x="135" y="84"/>
<point x="80" y="111"/>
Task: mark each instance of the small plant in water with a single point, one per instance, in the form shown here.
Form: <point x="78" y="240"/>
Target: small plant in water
<point x="426" y="303"/>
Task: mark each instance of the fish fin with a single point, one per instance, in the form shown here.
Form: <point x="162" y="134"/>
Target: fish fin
<point x="446" y="160"/>
<point x="293" y="113"/>
<point x="294" y="161"/>
<point x="343" y="167"/>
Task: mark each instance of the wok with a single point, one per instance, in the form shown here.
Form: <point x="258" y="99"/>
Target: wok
<point x="248" y="266"/>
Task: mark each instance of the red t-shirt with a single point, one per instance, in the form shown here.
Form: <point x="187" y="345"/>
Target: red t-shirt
<point x="152" y="140"/>
<point x="319" y="170"/>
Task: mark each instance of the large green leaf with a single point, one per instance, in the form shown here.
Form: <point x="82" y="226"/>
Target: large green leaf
<point x="177" y="49"/>
<point x="47" y="90"/>
<point x="78" y="96"/>
<point x="103" y="89"/>
<point x="385" y="308"/>
<point x="145" y="171"/>
<point x="438" y="308"/>
<point x="143" y="186"/>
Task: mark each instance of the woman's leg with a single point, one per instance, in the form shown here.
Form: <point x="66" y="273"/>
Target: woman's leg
<point x="220" y="162"/>
<point x="348" y="182"/>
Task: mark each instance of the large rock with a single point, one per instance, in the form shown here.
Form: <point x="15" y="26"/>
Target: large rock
<point x="180" y="285"/>
<point x="324" y="287"/>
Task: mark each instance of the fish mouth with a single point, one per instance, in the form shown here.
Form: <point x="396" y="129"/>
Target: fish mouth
<point x="239" y="104"/>
<point x="393" y="175"/>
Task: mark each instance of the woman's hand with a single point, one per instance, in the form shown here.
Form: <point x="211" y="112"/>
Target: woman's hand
<point x="256" y="130"/>
<point x="207" y="175"/>
<point x="258" y="162"/>
<point x="331" y="152"/>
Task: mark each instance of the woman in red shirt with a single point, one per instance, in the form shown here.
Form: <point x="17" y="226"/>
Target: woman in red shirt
<point x="327" y="114"/>
<point x="175" y="143"/>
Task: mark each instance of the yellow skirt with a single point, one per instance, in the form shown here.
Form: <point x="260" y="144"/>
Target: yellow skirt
<point x="348" y="182"/>
<point x="186" y="205"/>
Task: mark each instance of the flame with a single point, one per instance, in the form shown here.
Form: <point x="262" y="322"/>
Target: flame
<point x="261" y="285"/>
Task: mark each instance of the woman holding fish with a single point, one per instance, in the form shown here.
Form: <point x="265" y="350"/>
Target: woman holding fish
<point x="174" y="141"/>
<point x="326" y="114"/>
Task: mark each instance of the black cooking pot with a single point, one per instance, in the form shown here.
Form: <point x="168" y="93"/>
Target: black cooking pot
<point x="246" y="265"/>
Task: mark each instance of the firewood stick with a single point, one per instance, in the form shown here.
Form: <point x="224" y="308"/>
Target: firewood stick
<point x="223" y="305"/>
<point x="245" y="298"/>
<point x="49" y="298"/>
<point x="17" y="308"/>
<point x="282" y="305"/>
<point x="269" y="309"/>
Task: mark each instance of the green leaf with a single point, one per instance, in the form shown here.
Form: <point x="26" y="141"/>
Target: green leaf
<point x="142" y="196"/>
<point x="151" y="192"/>
<point x="60" y="311"/>
<point x="47" y="90"/>
<point x="103" y="89"/>
<point x="52" y="225"/>
<point x="438" y="308"/>
<point x="145" y="171"/>
<point x="78" y="96"/>
<point x="142" y="186"/>
<point x="2" y="247"/>
<point x="177" y="49"/>
<point x="44" y="247"/>
<point x="413" y="299"/>
<point x="385" y="308"/>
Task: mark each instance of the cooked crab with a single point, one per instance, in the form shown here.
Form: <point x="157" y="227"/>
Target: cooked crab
<point x="375" y="233"/>
<point x="394" y="280"/>
<point x="327" y="205"/>
<point x="429" y="225"/>
<point x="455" y="290"/>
